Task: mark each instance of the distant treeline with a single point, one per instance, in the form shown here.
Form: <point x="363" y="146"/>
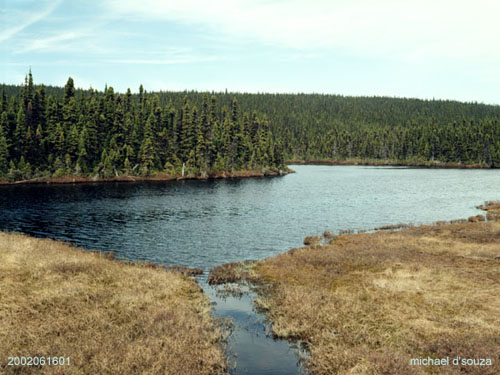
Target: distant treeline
<point x="105" y="133"/>
<point x="316" y="126"/>
<point x="409" y="130"/>
<point x="72" y="132"/>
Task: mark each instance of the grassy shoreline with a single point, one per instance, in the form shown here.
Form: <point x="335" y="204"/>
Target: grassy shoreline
<point x="108" y="317"/>
<point x="72" y="179"/>
<point x="389" y="163"/>
<point x="368" y="303"/>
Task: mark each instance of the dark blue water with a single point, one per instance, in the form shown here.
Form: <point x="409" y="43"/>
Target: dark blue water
<point x="207" y="223"/>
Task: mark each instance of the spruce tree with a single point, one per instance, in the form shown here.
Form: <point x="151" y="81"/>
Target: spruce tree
<point x="187" y="132"/>
<point x="148" y="150"/>
<point x="69" y="90"/>
<point x="20" y="132"/>
<point x="4" y="151"/>
<point x="3" y="101"/>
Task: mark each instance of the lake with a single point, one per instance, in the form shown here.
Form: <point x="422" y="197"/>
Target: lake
<point x="207" y="223"/>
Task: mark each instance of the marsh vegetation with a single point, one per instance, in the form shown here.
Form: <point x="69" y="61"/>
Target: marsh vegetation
<point x="108" y="317"/>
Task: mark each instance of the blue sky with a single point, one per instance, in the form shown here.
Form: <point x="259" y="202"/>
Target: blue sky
<point x="427" y="48"/>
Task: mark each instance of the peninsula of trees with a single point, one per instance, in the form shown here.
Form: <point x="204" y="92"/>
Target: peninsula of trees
<point x="106" y="134"/>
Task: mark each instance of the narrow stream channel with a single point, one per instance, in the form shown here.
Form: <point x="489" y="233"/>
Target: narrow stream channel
<point x="251" y="348"/>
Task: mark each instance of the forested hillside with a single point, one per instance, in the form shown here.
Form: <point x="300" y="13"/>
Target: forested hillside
<point x="51" y="130"/>
<point x="315" y="126"/>
<point x="106" y="134"/>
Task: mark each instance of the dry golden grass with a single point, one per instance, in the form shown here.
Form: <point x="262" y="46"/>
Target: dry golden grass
<point x="367" y="303"/>
<point x="108" y="317"/>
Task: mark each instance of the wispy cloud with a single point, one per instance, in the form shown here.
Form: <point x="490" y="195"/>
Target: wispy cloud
<point x="16" y="23"/>
<point x="400" y="29"/>
<point x="49" y="43"/>
<point x="182" y="60"/>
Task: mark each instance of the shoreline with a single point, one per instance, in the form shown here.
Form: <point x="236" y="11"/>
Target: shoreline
<point x="388" y="163"/>
<point x="160" y="177"/>
<point x="380" y="299"/>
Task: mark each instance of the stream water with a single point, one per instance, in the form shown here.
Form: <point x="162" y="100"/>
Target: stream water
<point x="206" y="223"/>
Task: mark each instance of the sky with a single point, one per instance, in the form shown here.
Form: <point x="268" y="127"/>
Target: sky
<point x="442" y="49"/>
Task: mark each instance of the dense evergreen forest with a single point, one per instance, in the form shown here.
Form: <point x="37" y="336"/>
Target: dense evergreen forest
<point x="56" y="131"/>
<point x="107" y="134"/>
